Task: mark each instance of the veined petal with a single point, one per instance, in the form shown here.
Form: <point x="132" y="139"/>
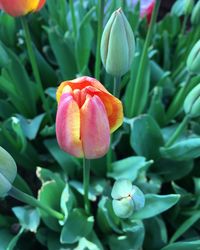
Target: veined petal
<point x="68" y="126"/>
<point x="95" y="131"/>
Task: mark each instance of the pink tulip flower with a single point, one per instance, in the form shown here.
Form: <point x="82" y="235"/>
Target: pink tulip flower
<point x="21" y="7"/>
<point x="87" y="114"/>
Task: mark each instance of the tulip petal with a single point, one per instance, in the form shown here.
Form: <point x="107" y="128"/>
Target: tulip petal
<point x="95" y="131"/>
<point x="40" y="5"/>
<point x="114" y="110"/>
<point x="19" y="7"/>
<point x="80" y="83"/>
<point x="68" y="126"/>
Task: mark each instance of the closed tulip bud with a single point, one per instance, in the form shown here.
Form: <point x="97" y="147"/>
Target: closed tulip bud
<point x="117" y="44"/>
<point x="193" y="60"/>
<point x="127" y="198"/>
<point x="192" y="102"/>
<point x="8" y="172"/>
<point x="87" y="114"/>
<point x="21" y="7"/>
<point x="195" y="18"/>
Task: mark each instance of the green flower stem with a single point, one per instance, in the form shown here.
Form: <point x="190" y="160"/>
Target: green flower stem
<point x="21" y="196"/>
<point x="178" y="131"/>
<point x="74" y="24"/>
<point x="35" y="67"/>
<point x="86" y="182"/>
<point x="178" y="100"/>
<point x="116" y="87"/>
<point x="99" y="33"/>
<point x="135" y="105"/>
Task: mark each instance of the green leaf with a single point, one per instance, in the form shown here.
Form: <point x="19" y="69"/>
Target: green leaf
<point x="183" y="150"/>
<point x="8" y="171"/>
<point x="145" y="129"/>
<point x="15" y="239"/>
<point x="132" y="239"/>
<point x="78" y="225"/>
<point x="62" y="49"/>
<point x="28" y="217"/>
<point x="66" y="161"/>
<point x="185" y="226"/>
<point x="50" y="194"/>
<point x="84" y="41"/>
<point x="160" y="202"/>
<point x="187" y="245"/>
<point x="106" y="218"/>
<point x="128" y="168"/>
<point x="30" y="127"/>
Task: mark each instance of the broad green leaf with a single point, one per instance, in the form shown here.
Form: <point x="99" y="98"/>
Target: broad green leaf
<point x="78" y="225"/>
<point x="50" y="194"/>
<point x="28" y="217"/>
<point x="132" y="239"/>
<point x="185" y="245"/>
<point x="155" y="233"/>
<point x="5" y="238"/>
<point x="66" y="161"/>
<point x="128" y="168"/>
<point x="8" y="171"/>
<point x="64" y="55"/>
<point x="106" y="218"/>
<point x="146" y="137"/>
<point x="30" y="127"/>
<point x="183" y="150"/>
<point x="160" y="202"/>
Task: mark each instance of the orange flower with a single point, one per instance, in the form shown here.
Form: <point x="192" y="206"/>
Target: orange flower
<point x="87" y="114"/>
<point x="21" y="7"/>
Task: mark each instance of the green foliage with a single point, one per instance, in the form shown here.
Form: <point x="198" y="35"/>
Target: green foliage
<point x="65" y="42"/>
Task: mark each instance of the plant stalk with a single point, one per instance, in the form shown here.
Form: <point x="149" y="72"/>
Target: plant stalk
<point x="116" y="87"/>
<point x="21" y="196"/>
<point x="86" y="182"/>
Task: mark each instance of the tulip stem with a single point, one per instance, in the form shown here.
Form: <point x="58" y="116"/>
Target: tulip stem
<point x="35" y="67"/>
<point x="178" y="131"/>
<point x="86" y="181"/>
<point x="139" y="83"/>
<point x="71" y="5"/>
<point x="21" y="196"/>
<point x="99" y="33"/>
<point x="184" y="24"/>
<point x="116" y="87"/>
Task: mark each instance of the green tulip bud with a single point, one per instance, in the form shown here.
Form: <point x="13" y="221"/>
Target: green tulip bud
<point x="117" y="44"/>
<point x="127" y="198"/>
<point x="195" y="18"/>
<point x="8" y="172"/>
<point x="193" y="60"/>
<point x="192" y="102"/>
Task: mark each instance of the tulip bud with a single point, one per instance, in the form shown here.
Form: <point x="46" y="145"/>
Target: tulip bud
<point x="127" y="198"/>
<point x="193" y="60"/>
<point x="8" y="172"/>
<point x="192" y="102"/>
<point x="117" y="44"/>
<point x="21" y="7"/>
<point x="195" y="18"/>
